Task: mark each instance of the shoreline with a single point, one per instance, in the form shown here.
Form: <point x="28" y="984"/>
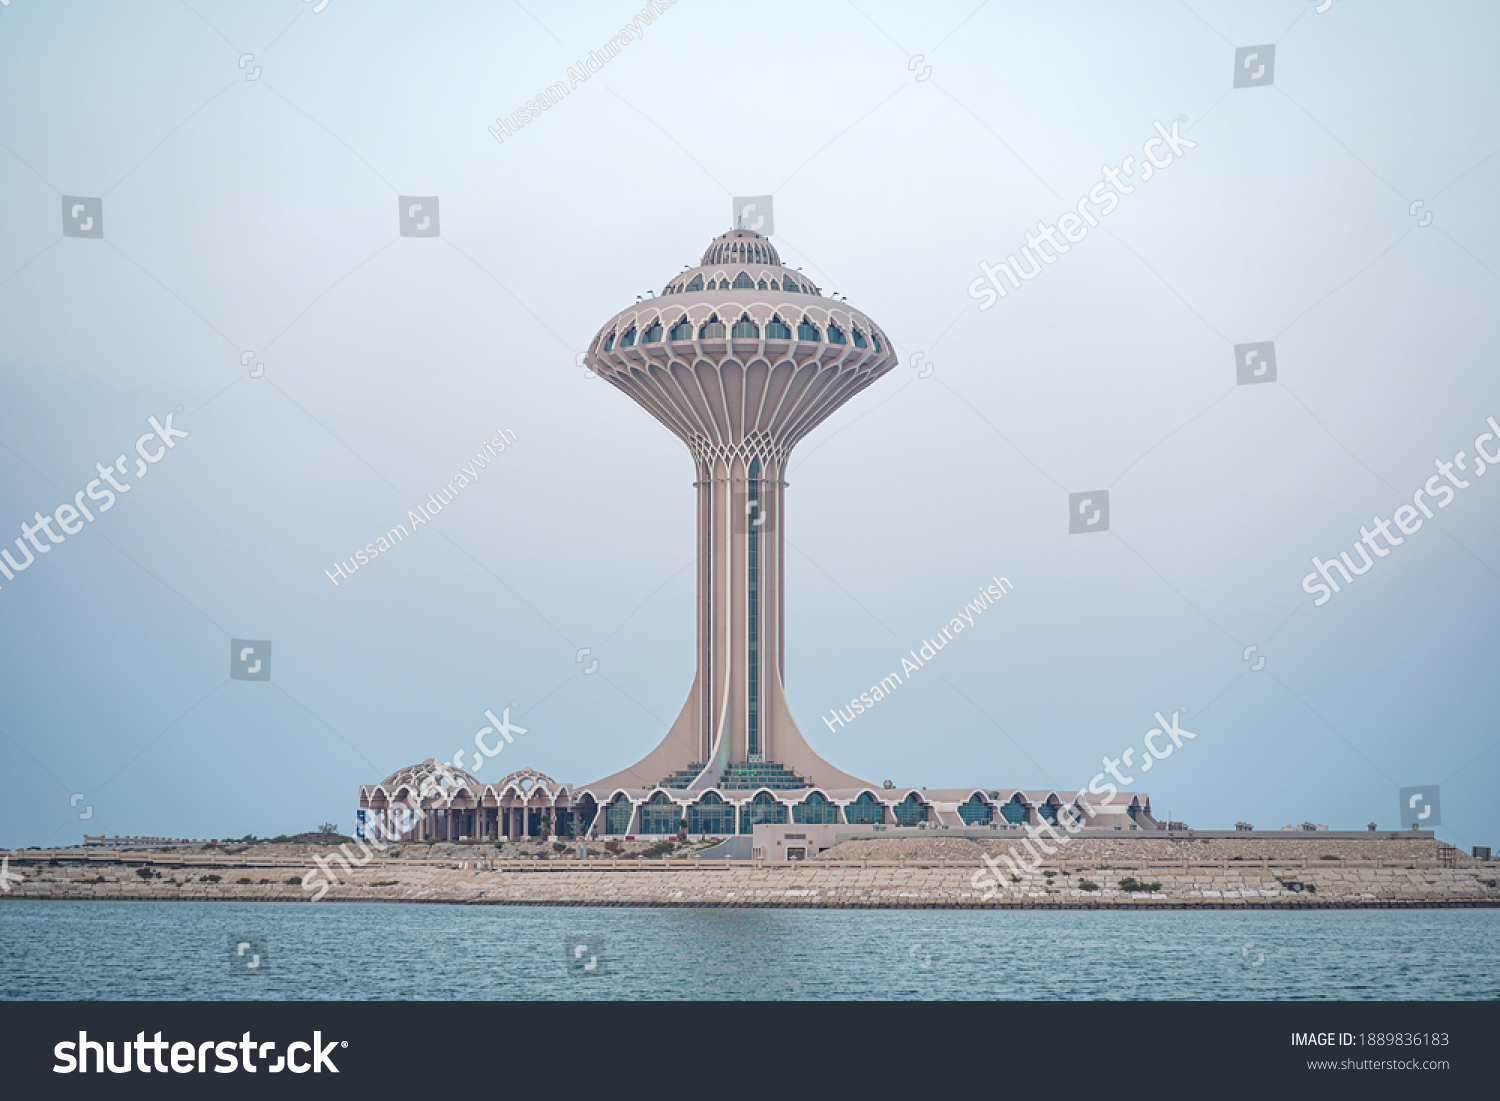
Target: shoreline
<point x="949" y="873"/>
<point x="800" y="904"/>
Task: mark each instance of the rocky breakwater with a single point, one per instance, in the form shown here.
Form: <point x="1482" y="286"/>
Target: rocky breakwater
<point x="896" y="873"/>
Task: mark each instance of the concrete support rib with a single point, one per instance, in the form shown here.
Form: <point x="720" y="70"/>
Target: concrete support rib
<point x="741" y="398"/>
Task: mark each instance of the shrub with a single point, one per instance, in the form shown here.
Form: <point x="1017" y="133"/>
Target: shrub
<point x="1130" y="883"/>
<point x="243" y="879"/>
<point x="612" y="846"/>
<point x="559" y="847"/>
<point x="386" y="883"/>
<point x="144" y="873"/>
<point x="1328" y="856"/>
<point x="1087" y="885"/>
<point x="265" y="881"/>
<point x="295" y="881"/>
<point x="210" y="878"/>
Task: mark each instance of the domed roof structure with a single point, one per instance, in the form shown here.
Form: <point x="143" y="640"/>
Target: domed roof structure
<point x="441" y="775"/>
<point x="784" y="356"/>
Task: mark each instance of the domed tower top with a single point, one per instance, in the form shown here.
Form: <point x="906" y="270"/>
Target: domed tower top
<point x="783" y="356"/>
<point x="740" y="246"/>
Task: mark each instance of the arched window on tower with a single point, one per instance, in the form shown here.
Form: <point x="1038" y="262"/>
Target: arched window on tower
<point x="807" y="331"/>
<point x="710" y="814"/>
<point x="976" y="812"/>
<point x="696" y="283"/>
<point x="760" y="284"/>
<point x="745" y="329"/>
<point x="835" y="334"/>
<point x="712" y="329"/>
<point x="659" y="815"/>
<point x="859" y="339"/>
<point x="743" y="282"/>
<point x="652" y="335"/>
<point x="609" y="342"/>
<point x="790" y="284"/>
<point x="910" y="810"/>
<point x="778" y="329"/>
<point x="617" y="815"/>
<point x="762" y="809"/>
<point x="814" y="811"/>
<point x="683" y="330"/>
<point x="876" y="340"/>
<point x="865" y="811"/>
<point x="629" y="338"/>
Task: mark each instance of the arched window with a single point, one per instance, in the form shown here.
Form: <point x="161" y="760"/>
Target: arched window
<point x="696" y="283"/>
<point x="609" y="342"/>
<point x="1047" y="812"/>
<point x="629" y="338"/>
<point x="745" y="329"/>
<point x="711" y="814"/>
<point x="835" y="334"/>
<point x="760" y="284"/>
<point x="762" y="809"/>
<point x="659" y="815"/>
<point x="910" y="810"/>
<point x="814" y="811"/>
<point x="712" y="329"/>
<point x="743" y="282"/>
<point x="876" y="339"/>
<point x="1015" y="811"/>
<point x="683" y="330"/>
<point x="778" y="330"/>
<point x="788" y="284"/>
<point x="976" y="812"/>
<point x="859" y="339"/>
<point x="807" y="331"/>
<point x="865" y="811"/>
<point x="653" y="334"/>
<point x="617" y="815"/>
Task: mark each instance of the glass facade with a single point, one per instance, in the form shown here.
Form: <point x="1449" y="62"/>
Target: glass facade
<point x="814" y="810"/>
<point x="752" y="541"/>
<point x="762" y="809"/>
<point x="1015" y="812"/>
<point x="910" y="811"/>
<point x="617" y="815"/>
<point x="659" y="815"/>
<point x="976" y="812"/>
<point x="711" y="814"/>
<point x="866" y="810"/>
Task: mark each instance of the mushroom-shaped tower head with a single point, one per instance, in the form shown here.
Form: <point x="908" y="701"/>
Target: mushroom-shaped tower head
<point x="740" y="358"/>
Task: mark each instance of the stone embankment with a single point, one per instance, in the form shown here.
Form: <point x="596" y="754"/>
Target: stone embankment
<point x="880" y="874"/>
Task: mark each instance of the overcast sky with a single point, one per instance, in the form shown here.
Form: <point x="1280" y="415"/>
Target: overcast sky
<point x="250" y="159"/>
